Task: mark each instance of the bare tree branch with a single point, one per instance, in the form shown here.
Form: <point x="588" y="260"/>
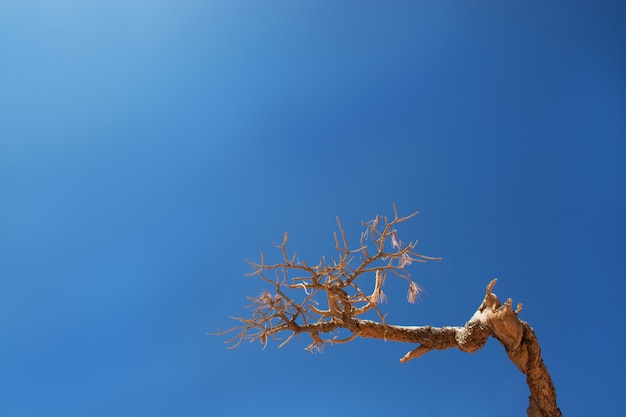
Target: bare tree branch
<point x="320" y="300"/>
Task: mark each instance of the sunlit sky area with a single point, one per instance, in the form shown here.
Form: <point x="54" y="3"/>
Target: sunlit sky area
<point x="147" y="148"/>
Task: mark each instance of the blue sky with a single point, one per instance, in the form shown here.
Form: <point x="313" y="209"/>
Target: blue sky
<point x="148" y="148"/>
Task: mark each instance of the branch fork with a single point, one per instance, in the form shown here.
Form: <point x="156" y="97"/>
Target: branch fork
<point x="297" y="289"/>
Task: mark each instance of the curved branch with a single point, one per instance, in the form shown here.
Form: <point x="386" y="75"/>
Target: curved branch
<point x="292" y="308"/>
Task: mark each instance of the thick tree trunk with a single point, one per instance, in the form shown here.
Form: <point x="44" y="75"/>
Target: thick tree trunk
<point x="276" y="312"/>
<point x="491" y="319"/>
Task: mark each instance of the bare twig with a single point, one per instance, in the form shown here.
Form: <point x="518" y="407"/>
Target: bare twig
<point x="327" y="297"/>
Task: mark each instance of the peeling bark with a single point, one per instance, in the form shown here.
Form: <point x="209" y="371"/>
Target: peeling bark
<point x="300" y="290"/>
<point x="491" y="319"/>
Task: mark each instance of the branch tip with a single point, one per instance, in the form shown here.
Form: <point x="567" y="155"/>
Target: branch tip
<point x="415" y="353"/>
<point x="491" y="285"/>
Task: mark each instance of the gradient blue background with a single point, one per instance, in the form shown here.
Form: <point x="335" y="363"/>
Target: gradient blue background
<point x="148" y="147"/>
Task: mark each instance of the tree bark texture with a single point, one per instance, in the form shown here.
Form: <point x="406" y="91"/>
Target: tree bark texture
<point x="294" y="307"/>
<point x="491" y="319"/>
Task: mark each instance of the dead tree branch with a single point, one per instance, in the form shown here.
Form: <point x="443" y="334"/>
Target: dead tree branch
<point x="329" y="297"/>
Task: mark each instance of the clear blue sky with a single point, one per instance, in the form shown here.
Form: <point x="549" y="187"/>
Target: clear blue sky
<point x="148" y="147"/>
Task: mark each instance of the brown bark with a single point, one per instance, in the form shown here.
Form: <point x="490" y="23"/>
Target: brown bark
<point x="491" y="319"/>
<point x="299" y="290"/>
